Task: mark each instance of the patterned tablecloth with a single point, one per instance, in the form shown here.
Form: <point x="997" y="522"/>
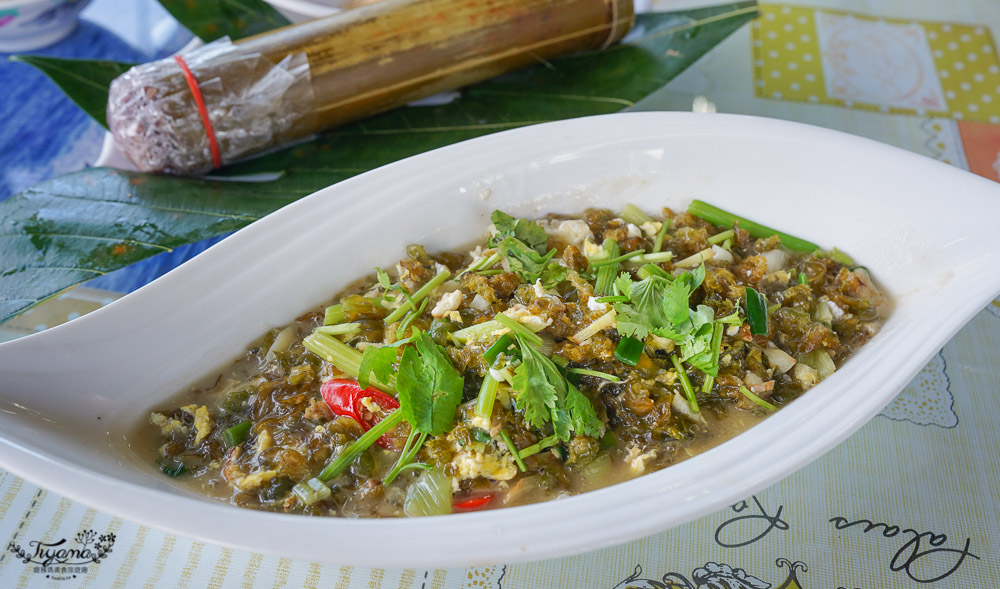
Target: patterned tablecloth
<point x="908" y="501"/>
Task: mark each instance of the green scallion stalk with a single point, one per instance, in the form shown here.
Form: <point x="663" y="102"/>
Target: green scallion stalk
<point x="513" y="450"/>
<point x="236" y="435"/>
<point x="658" y="242"/>
<point x="606" y="274"/>
<point x="629" y="350"/>
<point x="685" y="384"/>
<point x="343" y="356"/>
<point x="720" y="237"/>
<point x="418" y="296"/>
<point x="706" y="387"/>
<point x="501" y="345"/>
<point x="757" y="399"/>
<point x="803" y="279"/>
<point x="487" y="396"/>
<point x="539" y="446"/>
<point x="339" y="329"/>
<point x="648" y="270"/>
<point x="655" y="258"/>
<point x="489" y="272"/>
<point x="604" y="375"/>
<point x="721" y="218"/>
<point x="756" y="312"/>
<point x="483" y="262"/>
<point x="839" y="256"/>
<point x="334" y="314"/>
<point x="634" y="215"/>
<point x="311" y="491"/>
<point x="401" y="330"/>
<point x="518" y="329"/>
<point x="619" y="259"/>
<point x="612" y="299"/>
<point x="360" y="445"/>
<point x="413" y="443"/>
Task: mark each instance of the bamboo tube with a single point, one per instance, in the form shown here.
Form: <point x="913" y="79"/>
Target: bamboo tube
<point x="268" y="90"/>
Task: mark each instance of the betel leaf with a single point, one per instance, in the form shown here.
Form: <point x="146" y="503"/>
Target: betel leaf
<point x="212" y="19"/>
<point x="85" y="81"/>
<point x="73" y="228"/>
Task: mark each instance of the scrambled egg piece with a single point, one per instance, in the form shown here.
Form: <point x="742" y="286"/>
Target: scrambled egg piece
<point x="521" y="314"/>
<point x="651" y="228"/>
<point x="573" y="232"/>
<point x="167" y="425"/>
<point x="252" y="481"/>
<point x="264" y="442"/>
<point x="202" y="421"/>
<point x="638" y="460"/>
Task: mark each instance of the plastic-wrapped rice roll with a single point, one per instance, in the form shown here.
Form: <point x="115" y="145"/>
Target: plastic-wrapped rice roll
<point x="226" y="101"/>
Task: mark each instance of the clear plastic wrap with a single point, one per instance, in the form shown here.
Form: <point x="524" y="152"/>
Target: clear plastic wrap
<point x="252" y="103"/>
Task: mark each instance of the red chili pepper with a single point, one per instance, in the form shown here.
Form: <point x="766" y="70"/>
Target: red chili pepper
<point x="474" y="503"/>
<point x="344" y="398"/>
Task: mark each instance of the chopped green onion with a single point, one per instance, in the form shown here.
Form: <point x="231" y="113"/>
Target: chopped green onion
<point x="612" y="299"/>
<point x="334" y="314"/>
<point x="803" y="279"/>
<point x="606" y="274"/>
<point x="172" y="470"/>
<point x="418" y="296"/>
<point x="604" y="375"/>
<point x="539" y="446"/>
<point x="489" y="272"/>
<point x="773" y="308"/>
<point x="757" y="399"/>
<point x="706" y="386"/>
<point x="658" y="242"/>
<point x="343" y="356"/>
<point x="839" y="256"/>
<point x="720" y="237"/>
<point x="600" y="324"/>
<point x="339" y="329"/>
<point x="656" y="258"/>
<point x="513" y="450"/>
<point x="629" y="350"/>
<point x="653" y="270"/>
<point x="360" y="445"/>
<point x="721" y="218"/>
<point x="756" y="312"/>
<point x="413" y="443"/>
<point x="480" y="436"/>
<point x="685" y="384"/>
<point x="634" y="215"/>
<point x="501" y="345"/>
<point x="518" y="329"/>
<point x="483" y="262"/>
<point x="621" y="258"/>
<point x="311" y="491"/>
<point x="487" y="396"/>
<point x="401" y="330"/>
<point x="236" y="435"/>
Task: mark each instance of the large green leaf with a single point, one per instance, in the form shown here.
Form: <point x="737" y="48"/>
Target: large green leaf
<point x="212" y="19"/>
<point x="85" y="81"/>
<point x="75" y="227"/>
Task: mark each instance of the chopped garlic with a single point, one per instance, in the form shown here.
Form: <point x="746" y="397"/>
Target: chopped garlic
<point x="202" y="421"/>
<point x="447" y="303"/>
<point x="633" y="231"/>
<point x="593" y="305"/>
<point x="651" y="228"/>
<point x="835" y="309"/>
<point x="591" y="249"/>
<point x="722" y="254"/>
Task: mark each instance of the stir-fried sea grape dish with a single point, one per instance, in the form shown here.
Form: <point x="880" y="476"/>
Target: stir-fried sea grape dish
<point x="559" y="356"/>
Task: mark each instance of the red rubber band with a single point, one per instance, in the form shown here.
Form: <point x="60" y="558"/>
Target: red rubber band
<point x="202" y="110"/>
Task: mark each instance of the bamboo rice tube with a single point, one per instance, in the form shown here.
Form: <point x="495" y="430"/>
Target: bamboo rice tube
<point x="226" y="101"/>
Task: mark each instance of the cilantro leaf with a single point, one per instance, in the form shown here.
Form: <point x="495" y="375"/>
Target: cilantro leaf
<point x="533" y="382"/>
<point x="383" y="278"/>
<point x="531" y="265"/>
<point x="545" y="396"/>
<point x="430" y="388"/>
<point x="656" y="304"/>
<point x="378" y="360"/>
<point x="527" y="232"/>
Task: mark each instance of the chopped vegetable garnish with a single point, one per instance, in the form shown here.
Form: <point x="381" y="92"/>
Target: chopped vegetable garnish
<point x="633" y="214"/>
<point x="721" y="218"/>
<point x="803" y="279"/>
<point x="685" y="384"/>
<point x="513" y="450"/>
<point x="312" y="491"/>
<point x="618" y="259"/>
<point x="595" y="373"/>
<point x="334" y="314"/>
<point x="339" y="329"/>
<point x="429" y="386"/>
<point x="503" y="343"/>
<point x="606" y="274"/>
<point x="629" y="349"/>
<point x="422" y="292"/>
<point x="757" y="399"/>
<point x="756" y="312"/>
<point x="539" y="446"/>
<point x="658" y="243"/>
<point x="518" y="329"/>
<point x="237" y="434"/>
<point x="721" y="237"/>
<point x="347" y="398"/>
<point x="841" y="257"/>
<point x="487" y="396"/>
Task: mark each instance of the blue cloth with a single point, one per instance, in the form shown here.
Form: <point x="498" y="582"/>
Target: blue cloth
<point x="44" y="134"/>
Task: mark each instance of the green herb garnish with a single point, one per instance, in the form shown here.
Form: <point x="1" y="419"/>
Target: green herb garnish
<point x="629" y="350"/>
<point x="757" y="399"/>
<point x="429" y="386"/>
<point x="236" y="435"/>
<point x="527" y="232"/>
<point x="756" y="312"/>
<point x="721" y="218"/>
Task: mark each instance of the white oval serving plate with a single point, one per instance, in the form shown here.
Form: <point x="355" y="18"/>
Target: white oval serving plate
<point x="67" y="395"/>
